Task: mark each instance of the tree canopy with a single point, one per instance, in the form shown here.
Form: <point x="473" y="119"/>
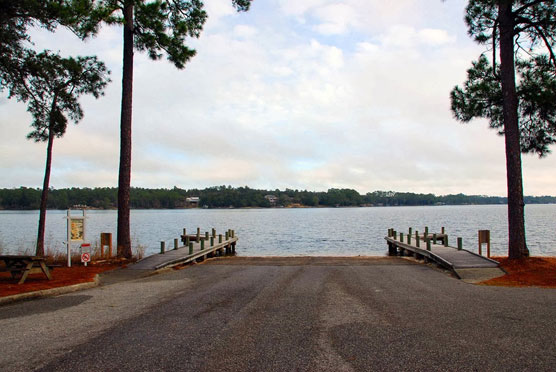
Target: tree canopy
<point x="481" y="97"/>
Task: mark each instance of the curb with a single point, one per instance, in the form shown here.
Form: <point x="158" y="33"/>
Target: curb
<point x="50" y="292"/>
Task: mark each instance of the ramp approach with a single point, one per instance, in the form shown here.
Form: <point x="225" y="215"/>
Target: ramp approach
<point x="466" y="265"/>
<point x="195" y="247"/>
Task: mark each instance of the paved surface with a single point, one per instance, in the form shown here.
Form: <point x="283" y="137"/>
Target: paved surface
<point x="309" y="315"/>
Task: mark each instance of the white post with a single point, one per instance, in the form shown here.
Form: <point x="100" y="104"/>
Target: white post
<point x="69" y="237"/>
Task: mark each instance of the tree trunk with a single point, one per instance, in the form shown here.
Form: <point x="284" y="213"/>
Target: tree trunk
<point x="517" y="247"/>
<point x="124" y="182"/>
<point x="44" y="195"/>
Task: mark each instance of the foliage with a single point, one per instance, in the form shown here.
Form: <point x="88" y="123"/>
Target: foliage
<point x="52" y="85"/>
<point x="481" y="97"/>
<point x="241" y="197"/>
<point x="16" y="16"/>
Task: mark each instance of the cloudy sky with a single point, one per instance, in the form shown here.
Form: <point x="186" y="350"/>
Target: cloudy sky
<point x="309" y="94"/>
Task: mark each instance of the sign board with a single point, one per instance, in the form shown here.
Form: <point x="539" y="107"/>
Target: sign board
<point x="77" y="229"/>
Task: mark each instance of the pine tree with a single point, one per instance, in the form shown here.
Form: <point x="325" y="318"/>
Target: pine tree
<point x="522" y="35"/>
<point x="156" y="27"/>
<point x="52" y="85"/>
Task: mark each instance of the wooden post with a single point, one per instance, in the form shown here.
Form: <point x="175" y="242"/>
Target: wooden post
<point x="410" y="230"/>
<point x="460" y="244"/>
<point x="212" y="241"/>
<point x="426" y="231"/>
<point x="206" y="235"/>
<point x="484" y="237"/>
<point x="106" y="240"/>
<point x="202" y="244"/>
<point x="198" y="234"/>
<point x="401" y="237"/>
<point x="409" y="238"/>
<point x="442" y="230"/>
<point x="190" y="248"/>
<point x="445" y="240"/>
<point x="162" y="247"/>
<point x="392" y="251"/>
<point x="184" y="231"/>
<point x="395" y="234"/>
<point x="219" y="238"/>
<point x="214" y="233"/>
<point x="227" y="235"/>
<point x="187" y="240"/>
<point x="434" y="238"/>
<point x="233" y="236"/>
<point x="175" y="244"/>
<point x="428" y="244"/>
<point x="417" y="240"/>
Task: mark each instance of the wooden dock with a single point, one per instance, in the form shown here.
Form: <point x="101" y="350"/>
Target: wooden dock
<point x="466" y="265"/>
<point x="196" y="248"/>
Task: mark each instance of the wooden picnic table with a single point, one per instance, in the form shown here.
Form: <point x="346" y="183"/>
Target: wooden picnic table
<point x="24" y="265"/>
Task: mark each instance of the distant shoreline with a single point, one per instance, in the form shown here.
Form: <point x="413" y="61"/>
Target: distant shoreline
<point x="225" y="197"/>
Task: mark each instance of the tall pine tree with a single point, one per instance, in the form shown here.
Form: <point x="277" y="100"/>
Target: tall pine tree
<point x="524" y="112"/>
<point x="156" y="27"/>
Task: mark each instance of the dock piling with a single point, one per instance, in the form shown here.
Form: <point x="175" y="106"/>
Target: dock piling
<point x="162" y="247"/>
<point x="460" y="244"/>
<point x="175" y="243"/>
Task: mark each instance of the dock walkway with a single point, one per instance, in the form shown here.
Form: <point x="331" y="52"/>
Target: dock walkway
<point x="184" y="254"/>
<point x="466" y="265"/>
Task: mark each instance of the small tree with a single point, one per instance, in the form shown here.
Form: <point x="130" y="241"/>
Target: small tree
<point x="155" y="27"/>
<point x="52" y="85"/>
<point x="523" y="113"/>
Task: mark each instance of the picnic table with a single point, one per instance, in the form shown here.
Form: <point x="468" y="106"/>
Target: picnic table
<point x="24" y="265"/>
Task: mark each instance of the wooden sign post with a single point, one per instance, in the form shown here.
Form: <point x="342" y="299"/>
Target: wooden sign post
<point x="106" y="241"/>
<point x="484" y="237"/>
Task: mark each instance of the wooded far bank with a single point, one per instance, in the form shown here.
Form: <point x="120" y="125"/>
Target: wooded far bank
<point x="24" y="198"/>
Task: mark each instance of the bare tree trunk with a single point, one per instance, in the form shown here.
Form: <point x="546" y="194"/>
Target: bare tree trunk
<point x="517" y="247"/>
<point x="44" y="195"/>
<point x="124" y="182"/>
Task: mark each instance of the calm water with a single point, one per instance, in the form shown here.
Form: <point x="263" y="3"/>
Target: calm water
<point x="291" y="232"/>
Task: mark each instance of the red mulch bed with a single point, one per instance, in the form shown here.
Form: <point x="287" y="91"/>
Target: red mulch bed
<point x="61" y="276"/>
<point x="526" y="272"/>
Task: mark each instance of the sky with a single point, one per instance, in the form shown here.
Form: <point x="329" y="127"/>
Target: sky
<point x="312" y="94"/>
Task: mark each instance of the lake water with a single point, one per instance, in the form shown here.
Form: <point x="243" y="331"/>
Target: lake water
<point x="291" y="232"/>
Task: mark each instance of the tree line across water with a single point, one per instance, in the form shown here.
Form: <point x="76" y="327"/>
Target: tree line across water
<point x="24" y="198"/>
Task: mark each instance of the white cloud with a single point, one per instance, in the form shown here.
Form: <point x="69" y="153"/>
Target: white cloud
<point x="357" y="95"/>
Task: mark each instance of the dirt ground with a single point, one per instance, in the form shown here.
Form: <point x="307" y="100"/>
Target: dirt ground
<point x="534" y="271"/>
<point x="61" y="276"/>
<point x="527" y="272"/>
